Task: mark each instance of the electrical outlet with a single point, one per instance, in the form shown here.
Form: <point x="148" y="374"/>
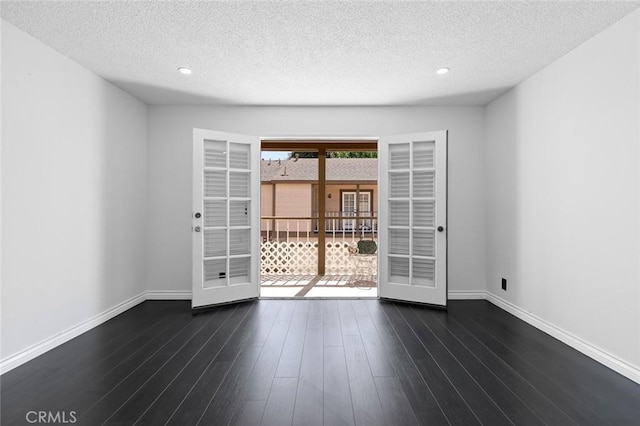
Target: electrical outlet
<point x="504" y="284"/>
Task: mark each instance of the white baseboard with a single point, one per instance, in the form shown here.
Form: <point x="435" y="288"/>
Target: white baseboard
<point x="466" y="295"/>
<point x="603" y="357"/>
<point x="38" y="349"/>
<point x="168" y="295"/>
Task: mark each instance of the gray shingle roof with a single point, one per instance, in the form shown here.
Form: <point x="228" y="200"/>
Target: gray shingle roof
<point x="306" y="169"/>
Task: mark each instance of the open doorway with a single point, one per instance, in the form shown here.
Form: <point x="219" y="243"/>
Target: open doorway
<point x="319" y="222"/>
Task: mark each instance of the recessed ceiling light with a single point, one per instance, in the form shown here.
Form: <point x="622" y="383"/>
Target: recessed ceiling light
<point x="184" y="70"/>
<point x="442" y="70"/>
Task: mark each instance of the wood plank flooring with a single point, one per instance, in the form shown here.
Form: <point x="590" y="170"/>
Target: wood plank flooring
<point x="318" y="362"/>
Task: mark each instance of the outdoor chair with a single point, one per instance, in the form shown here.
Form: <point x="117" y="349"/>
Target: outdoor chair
<point x="363" y="256"/>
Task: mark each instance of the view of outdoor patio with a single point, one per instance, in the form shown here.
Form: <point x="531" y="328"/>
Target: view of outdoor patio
<point x="290" y="229"/>
<point x="289" y="258"/>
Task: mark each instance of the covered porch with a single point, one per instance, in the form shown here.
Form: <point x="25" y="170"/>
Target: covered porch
<point x="310" y="228"/>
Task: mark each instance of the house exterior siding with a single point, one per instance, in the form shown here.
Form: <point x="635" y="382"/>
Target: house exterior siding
<point x="293" y="199"/>
<point x="298" y="200"/>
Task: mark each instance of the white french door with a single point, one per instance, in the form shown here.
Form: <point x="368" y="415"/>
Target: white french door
<point x="225" y="217"/>
<point x="413" y="216"/>
<point x="349" y="208"/>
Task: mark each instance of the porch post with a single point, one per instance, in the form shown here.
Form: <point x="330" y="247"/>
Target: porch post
<point x="273" y="208"/>
<point x="321" y="209"/>
<point x="358" y="207"/>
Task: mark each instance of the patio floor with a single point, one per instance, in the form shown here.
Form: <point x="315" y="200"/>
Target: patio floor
<point x="318" y="286"/>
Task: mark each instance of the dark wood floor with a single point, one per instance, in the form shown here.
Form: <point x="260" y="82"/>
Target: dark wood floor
<point x="315" y="362"/>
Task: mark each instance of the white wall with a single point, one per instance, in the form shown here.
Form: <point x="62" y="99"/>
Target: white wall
<point x="73" y="193"/>
<point x="563" y="191"/>
<point x="170" y="146"/>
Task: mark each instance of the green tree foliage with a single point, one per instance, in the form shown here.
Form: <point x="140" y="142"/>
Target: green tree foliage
<point x="336" y="154"/>
<point x="359" y="154"/>
<point x="303" y="154"/>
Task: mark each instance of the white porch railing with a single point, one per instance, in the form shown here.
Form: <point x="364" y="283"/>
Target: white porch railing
<point x="289" y="245"/>
<point x="343" y="221"/>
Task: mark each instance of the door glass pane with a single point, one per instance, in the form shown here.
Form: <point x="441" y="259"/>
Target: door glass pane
<point x="239" y="185"/>
<point x="399" y="158"/>
<point x="399" y="270"/>
<point x="424" y="184"/>
<point x="239" y="213"/>
<point x="398" y="241"/>
<point x="365" y="211"/>
<point x="399" y="185"/>
<point x="364" y="203"/>
<point x="398" y="213"/>
<point x="424" y="212"/>
<point x="423" y="242"/>
<point x="423" y="154"/>
<point x="215" y="273"/>
<point x="239" y="270"/>
<point x="349" y="202"/>
<point x="215" y="154"/>
<point x="215" y="242"/>
<point x="239" y="156"/>
<point x="239" y="241"/>
<point x="215" y="183"/>
<point x="348" y="209"/>
<point x="424" y="272"/>
<point x="215" y="213"/>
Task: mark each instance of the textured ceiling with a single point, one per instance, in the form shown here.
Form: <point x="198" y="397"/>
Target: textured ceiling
<point x="314" y="52"/>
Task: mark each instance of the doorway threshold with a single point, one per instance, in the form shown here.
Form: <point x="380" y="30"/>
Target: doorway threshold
<point x="319" y="286"/>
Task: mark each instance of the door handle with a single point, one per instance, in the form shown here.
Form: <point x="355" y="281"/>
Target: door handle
<point x="198" y="215"/>
<point x="197" y="229"/>
<point x="440" y="229"/>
